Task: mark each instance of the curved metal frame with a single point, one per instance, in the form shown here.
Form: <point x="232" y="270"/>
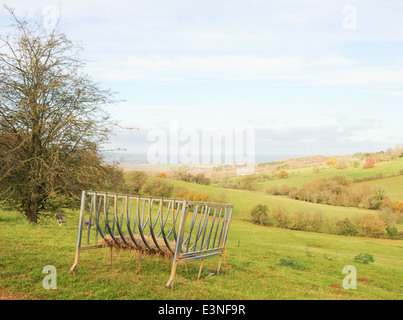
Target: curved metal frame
<point x="185" y="235"/>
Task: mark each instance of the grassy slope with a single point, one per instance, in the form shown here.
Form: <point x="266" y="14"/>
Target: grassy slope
<point x="299" y="177"/>
<point x="26" y="248"/>
<point x="392" y="185"/>
<point x="245" y="200"/>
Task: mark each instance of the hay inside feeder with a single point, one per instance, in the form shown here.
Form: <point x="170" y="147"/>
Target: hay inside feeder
<point x="108" y="242"/>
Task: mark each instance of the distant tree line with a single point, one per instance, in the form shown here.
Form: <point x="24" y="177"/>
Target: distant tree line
<point x="337" y="191"/>
<point x="138" y="182"/>
<point x="183" y="174"/>
<point x="382" y="225"/>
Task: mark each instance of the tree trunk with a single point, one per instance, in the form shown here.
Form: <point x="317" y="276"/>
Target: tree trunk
<point x="32" y="212"/>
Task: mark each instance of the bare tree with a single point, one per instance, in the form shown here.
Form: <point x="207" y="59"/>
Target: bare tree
<point x="52" y="118"/>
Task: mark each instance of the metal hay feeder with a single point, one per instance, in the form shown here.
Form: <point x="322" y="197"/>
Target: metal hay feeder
<point x="154" y="226"/>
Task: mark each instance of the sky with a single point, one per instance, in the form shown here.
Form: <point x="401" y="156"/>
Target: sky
<point x="308" y="76"/>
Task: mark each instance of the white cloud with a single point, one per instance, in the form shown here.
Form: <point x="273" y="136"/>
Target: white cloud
<point x="229" y="67"/>
<point x="332" y="70"/>
<point x="331" y="61"/>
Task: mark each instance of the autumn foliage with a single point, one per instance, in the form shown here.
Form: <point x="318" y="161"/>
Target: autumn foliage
<point x="372" y="226"/>
<point x="332" y="163"/>
<point x="369" y="163"/>
<point x="338" y="191"/>
<point x="398" y="207"/>
<point x="161" y="175"/>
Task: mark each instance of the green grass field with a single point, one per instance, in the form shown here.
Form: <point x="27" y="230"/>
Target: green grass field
<point x="252" y="251"/>
<point x="244" y="201"/>
<point x="301" y="176"/>
<point x="392" y="185"/>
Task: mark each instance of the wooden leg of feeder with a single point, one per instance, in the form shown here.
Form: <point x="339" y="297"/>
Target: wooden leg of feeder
<point x="170" y="282"/>
<point x="200" y="269"/>
<point x="74" y="268"/>
<point x="139" y="259"/>
<point x="111" y="256"/>
<point x="179" y="241"/>
<point x="219" y="263"/>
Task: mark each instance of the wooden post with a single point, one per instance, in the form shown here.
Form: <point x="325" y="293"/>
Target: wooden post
<point x="139" y="259"/>
<point x="219" y="263"/>
<point x="111" y="256"/>
<point x="200" y="269"/>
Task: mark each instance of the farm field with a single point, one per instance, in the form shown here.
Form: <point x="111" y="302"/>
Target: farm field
<point x="252" y="251"/>
<point x="299" y="177"/>
<point x="392" y="185"/>
<point x="245" y="200"/>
